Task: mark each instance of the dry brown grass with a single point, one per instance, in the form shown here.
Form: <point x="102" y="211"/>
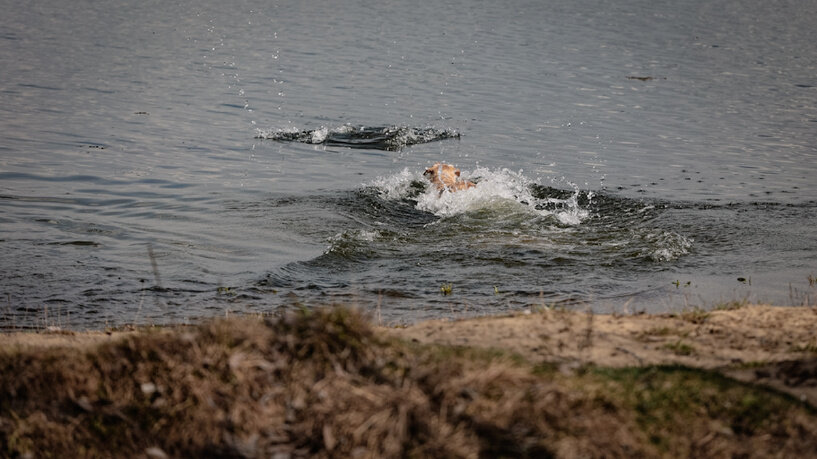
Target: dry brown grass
<point x="323" y="384"/>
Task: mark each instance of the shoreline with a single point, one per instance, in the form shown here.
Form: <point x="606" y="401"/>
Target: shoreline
<point x="774" y="346"/>
<point x="328" y="383"/>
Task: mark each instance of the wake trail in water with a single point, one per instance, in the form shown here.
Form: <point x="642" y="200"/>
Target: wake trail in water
<point x="510" y="208"/>
<point x="373" y="137"/>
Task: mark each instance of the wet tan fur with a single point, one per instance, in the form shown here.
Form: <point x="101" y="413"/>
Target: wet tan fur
<point x="446" y="177"/>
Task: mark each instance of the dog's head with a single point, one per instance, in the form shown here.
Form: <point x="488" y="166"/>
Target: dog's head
<point x="442" y="175"/>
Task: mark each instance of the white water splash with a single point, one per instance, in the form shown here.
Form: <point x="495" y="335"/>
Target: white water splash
<point x="319" y="135"/>
<point x="276" y="133"/>
<point x="397" y="186"/>
<point x="377" y="137"/>
<point x="497" y="190"/>
<point x="665" y="246"/>
<point x="348" y="240"/>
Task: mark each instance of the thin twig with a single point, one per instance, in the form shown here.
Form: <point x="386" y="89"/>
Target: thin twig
<point x="156" y="276"/>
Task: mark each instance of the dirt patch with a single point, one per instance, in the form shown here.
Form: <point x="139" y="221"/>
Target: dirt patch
<point x="762" y="338"/>
<point x="27" y="341"/>
<point x="326" y="384"/>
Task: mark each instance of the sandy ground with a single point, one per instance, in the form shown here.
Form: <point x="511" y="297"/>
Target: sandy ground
<point x="16" y="341"/>
<point x="776" y="346"/>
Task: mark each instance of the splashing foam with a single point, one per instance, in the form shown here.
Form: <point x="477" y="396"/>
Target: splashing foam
<point x="666" y="246"/>
<point x="498" y="190"/>
<point x="346" y="242"/>
<point x="375" y="137"/>
<point x="397" y="186"/>
<point x="318" y="135"/>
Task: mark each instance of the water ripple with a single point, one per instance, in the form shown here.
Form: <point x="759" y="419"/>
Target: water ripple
<point x="373" y="137"/>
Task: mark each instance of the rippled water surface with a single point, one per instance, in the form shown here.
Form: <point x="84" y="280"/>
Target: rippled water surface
<point x="165" y="162"/>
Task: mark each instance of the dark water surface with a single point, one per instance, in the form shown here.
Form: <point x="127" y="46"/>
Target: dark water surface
<point x="165" y="162"/>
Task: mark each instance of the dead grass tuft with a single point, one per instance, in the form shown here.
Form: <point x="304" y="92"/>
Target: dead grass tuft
<point x="322" y="383"/>
<point x="694" y="315"/>
<point x="680" y="348"/>
<point x="731" y="305"/>
<point x="657" y="333"/>
<point x="689" y="412"/>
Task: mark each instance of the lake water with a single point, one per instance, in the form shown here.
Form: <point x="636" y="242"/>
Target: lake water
<point x="162" y="162"/>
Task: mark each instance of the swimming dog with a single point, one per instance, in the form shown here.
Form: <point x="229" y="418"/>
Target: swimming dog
<point x="446" y="177"/>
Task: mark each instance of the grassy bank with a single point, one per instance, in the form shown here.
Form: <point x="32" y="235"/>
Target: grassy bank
<point x="326" y="383"/>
